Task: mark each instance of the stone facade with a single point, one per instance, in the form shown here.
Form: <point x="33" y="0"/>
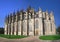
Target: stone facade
<point x="30" y="23"/>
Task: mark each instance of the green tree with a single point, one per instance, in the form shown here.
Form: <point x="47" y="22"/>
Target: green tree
<point x="1" y="30"/>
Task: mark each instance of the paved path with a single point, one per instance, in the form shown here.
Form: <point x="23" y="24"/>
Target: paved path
<point x="28" y="39"/>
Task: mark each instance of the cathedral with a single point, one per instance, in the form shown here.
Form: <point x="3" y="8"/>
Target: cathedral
<point x="30" y="23"/>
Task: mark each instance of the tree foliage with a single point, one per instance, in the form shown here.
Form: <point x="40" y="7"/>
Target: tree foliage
<point x="58" y="29"/>
<point x="1" y="30"/>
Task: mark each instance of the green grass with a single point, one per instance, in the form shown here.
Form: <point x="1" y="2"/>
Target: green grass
<point x="12" y="36"/>
<point x="50" y="37"/>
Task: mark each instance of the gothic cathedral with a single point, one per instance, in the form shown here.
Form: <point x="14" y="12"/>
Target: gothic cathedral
<point x="30" y="23"/>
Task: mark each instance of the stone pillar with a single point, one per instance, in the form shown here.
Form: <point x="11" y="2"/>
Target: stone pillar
<point x="53" y="23"/>
<point x="31" y="27"/>
<point x="25" y="27"/>
<point x="11" y="28"/>
<point x="53" y="28"/>
<point x="40" y="26"/>
<point x="33" y="20"/>
<point x="40" y="22"/>
<point x="21" y="22"/>
<point x="48" y="27"/>
<point x="15" y="25"/>
<point x="8" y="28"/>
<point x="5" y="29"/>
<point x="37" y="31"/>
<point x="19" y="27"/>
<point x="31" y="23"/>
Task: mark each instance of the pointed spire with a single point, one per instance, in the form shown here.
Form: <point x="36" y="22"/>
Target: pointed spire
<point x="40" y="9"/>
<point x="51" y="13"/>
<point x="29" y="8"/>
<point x="51" y="16"/>
<point x="46" y="12"/>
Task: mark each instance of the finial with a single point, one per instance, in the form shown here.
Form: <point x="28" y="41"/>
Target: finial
<point x="46" y="12"/>
<point x="40" y="9"/>
<point x="51" y="13"/>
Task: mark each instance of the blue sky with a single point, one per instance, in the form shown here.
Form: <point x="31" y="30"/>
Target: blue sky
<point x="9" y="6"/>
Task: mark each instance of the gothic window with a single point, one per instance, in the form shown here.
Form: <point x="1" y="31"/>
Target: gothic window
<point x="36" y="24"/>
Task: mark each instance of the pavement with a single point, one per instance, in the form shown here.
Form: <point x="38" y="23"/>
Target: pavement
<point x="27" y="39"/>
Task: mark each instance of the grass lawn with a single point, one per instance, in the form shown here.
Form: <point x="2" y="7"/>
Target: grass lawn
<point x="12" y="36"/>
<point x="50" y="37"/>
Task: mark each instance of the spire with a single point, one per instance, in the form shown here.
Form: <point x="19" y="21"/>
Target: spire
<point x="46" y="12"/>
<point x="40" y="9"/>
<point x="47" y="15"/>
<point x="51" y="13"/>
<point x="51" y="16"/>
<point x="29" y="9"/>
